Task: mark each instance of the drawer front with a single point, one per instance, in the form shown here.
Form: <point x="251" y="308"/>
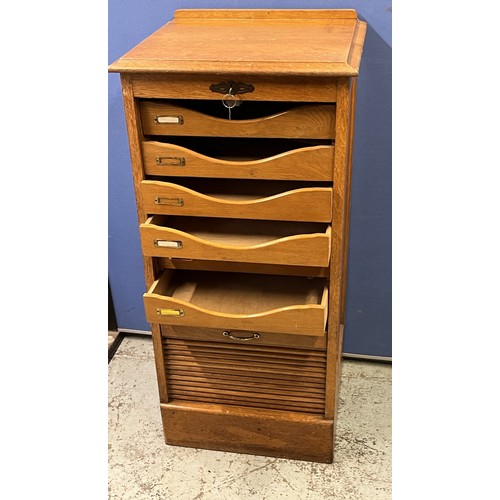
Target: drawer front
<point x="306" y="204"/>
<point x="306" y="121"/>
<point x="232" y="301"/>
<point x="266" y="88"/>
<point x="313" y="163"/>
<point x="258" y="377"/>
<point x="237" y="240"/>
<point x="226" y="336"/>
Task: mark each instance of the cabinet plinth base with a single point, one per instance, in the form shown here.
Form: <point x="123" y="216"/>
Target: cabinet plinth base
<point x="243" y="430"/>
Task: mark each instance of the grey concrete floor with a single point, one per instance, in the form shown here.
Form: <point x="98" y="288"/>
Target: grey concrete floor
<point x="142" y="466"/>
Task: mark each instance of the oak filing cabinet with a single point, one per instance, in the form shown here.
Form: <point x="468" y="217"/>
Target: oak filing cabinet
<point x="240" y="126"/>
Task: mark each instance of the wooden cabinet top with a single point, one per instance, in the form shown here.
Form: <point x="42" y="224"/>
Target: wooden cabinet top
<point x="270" y="42"/>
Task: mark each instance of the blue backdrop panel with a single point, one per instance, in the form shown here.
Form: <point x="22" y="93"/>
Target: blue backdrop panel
<point x="368" y="311"/>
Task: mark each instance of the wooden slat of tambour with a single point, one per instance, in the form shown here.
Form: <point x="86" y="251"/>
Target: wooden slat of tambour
<point x="308" y="394"/>
<point x="269" y="370"/>
<point x="255" y="348"/>
<point x="244" y="378"/>
<point x="303" y="398"/>
<point x="233" y="381"/>
<point x="251" y="395"/>
<point x="317" y="357"/>
<point x="245" y="401"/>
<point x="224" y="370"/>
<point x="283" y="359"/>
<point x="250" y="356"/>
<point x="241" y="365"/>
<point x="209" y="364"/>
<point x="281" y="378"/>
<point x="255" y="386"/>
<point x="316" y="384"/>
<point x="261" y="396"/>
<point x="254" y="404"/>
<point x="267" y="396"/>
<point x="246" y="364"/>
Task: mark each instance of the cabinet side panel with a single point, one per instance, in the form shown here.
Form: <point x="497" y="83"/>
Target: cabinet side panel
<point x="338" y="235"/>
<point x="135" y="137"/>
<point x="352" y="112"/>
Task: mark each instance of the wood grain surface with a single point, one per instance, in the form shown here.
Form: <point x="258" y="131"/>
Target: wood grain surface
<point x="340" y="196"/>
<point x="132" y="117"/>
<point x="275" y="433"/>
<point x="212" y="336"/>
<point x="271" y="377"/>
<point x="205" y="42"/>
<point x="302" y="204"/>
<point x="243" y="281"/>
<point x="305" y="121"/>
<point x="268" y="242"/>
<point x="266" y="88"/>
<point x="309" y="163"/>
<point x="283" y="304"/>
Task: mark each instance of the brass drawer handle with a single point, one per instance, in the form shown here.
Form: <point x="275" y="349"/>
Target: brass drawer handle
<point x="168" y="243"/>
<point x="177" y="202"/>
<point x="169" y="312"/>
<point x="175" y="120"/>
<point x="171" y="161"/>
<point x="243" y="339"/>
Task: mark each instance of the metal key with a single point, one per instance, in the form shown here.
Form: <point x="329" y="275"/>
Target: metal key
<point x="230" y="101"/>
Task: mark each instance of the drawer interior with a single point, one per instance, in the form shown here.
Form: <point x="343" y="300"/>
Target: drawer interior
<point x="238" y="293"/>
<point x="237" y="232"/>
<point x="241" y="190"/>
<point x="246" y="110"/>
<point x="238" y="149"/>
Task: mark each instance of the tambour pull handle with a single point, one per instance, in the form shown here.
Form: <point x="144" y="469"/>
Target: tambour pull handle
<point x="242" y="339"/>
<point x="171" y="119"/>
<point x="168" y="243"/>
<point x="169" y="312"/>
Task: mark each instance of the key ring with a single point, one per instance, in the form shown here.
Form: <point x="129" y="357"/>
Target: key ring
<point x="230" y="101"/>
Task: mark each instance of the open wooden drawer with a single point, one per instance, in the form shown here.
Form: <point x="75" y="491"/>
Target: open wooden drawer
<point x="234" y="301"/>
<point x="239" y="158"/>
<point x="254" y="119"/>
<point x="272" y="200"/>
<point x="267" y="242"/>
